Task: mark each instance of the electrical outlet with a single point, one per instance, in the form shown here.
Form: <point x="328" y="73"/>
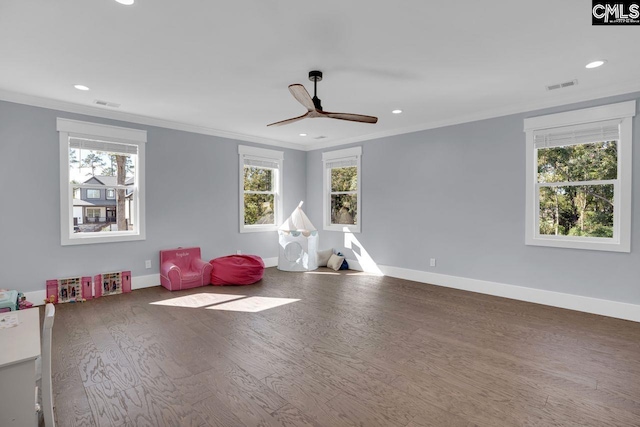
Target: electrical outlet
<point x="147" y="264"/>
<point x="238" y="252"/>
<point x="432" y="262"/>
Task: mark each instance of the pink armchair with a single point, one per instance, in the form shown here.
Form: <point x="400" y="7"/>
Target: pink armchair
<point x="182" y="268"/>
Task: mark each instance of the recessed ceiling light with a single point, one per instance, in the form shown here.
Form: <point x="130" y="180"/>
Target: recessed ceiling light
<point x="303" y="134"/>
<point x="397" y="111"/>
<point x="126" y="2"/>
<point x="595" y="64"/>
<point x="81" y="87"/>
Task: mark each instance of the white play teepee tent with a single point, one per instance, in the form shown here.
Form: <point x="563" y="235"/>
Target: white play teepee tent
<point x="298" y="243"/>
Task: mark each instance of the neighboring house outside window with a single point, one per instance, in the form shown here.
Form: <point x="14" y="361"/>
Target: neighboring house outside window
<point x="342" y="190"/>
<point x="260" y="189"/>
<point x="109" y="204"/>
<point x="579" y="178"/>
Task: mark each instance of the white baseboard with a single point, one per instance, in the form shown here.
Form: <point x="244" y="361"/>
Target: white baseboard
<point x="148" y="281"/>
<point x="602" y="307"/>
<point x="270" y="262"/>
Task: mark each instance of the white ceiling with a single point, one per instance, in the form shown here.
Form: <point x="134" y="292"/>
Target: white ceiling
<point x="223" y="67"/>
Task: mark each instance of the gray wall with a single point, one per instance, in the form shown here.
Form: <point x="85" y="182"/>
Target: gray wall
<point x="192" y="199"/>
<point x="457" y="194"/>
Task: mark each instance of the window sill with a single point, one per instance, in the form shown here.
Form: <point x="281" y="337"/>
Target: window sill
<point x="595" y="244"/>
<point x="342" y="228"/>
<point x="257" y="229"/>
<point x="88" y="239"/>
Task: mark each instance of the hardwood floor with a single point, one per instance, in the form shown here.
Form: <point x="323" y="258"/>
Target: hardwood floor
<point x="355" y="350"/>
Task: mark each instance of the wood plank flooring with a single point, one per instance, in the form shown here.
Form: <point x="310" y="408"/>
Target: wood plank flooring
<point x="355" y="350"/>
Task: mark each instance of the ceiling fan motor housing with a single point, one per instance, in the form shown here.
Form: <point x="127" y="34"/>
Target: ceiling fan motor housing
<point x="316" y="76"/>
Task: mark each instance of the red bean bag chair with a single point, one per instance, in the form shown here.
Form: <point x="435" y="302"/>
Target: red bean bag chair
<point x="236" y="270"/>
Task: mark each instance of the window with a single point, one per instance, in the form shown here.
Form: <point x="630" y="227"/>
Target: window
<point x="579" y="178"/>
<point x="96" y="158"/>
<point x="341" y="190"/>
<point x="93" y="214"/>
<point x="260" y="189"/>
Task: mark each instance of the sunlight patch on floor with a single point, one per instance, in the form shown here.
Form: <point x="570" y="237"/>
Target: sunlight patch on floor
<point x="322" y="272"/>
<point x="197" y="300"/>
<point x="253" y="304"/>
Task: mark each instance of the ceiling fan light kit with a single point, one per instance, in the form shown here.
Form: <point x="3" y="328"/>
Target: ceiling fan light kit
<point x="314" y="106"/>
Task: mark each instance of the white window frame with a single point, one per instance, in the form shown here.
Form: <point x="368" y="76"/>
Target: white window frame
<point x="94" y="189"/>
<point x="355" y="154"/>
<point x="246" y="153"/>
<point x="621" y="241"/>
<point x="74" y="128"/>
<point x="110" y="194"/>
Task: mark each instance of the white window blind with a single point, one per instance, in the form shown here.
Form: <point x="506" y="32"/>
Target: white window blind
<point x="260" y="162"/>
<point x="342" y="163"/>
<point x="578" y="134"/>
<point x="95" y="145"/>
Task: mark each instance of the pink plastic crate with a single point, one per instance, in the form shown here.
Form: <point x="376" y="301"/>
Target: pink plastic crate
<point x="112" y="283"/>
<point x="71" y="289"/>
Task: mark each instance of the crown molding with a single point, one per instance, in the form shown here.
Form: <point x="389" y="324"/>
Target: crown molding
<point x="69" y="107"/>
<point x="612" y="90"/>
<point x="526" y="107"/>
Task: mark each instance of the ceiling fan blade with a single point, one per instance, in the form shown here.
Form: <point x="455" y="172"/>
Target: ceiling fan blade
<point x="286" y="122"/>
<point x="302" y="96"/>
<point x="350" y="117"/>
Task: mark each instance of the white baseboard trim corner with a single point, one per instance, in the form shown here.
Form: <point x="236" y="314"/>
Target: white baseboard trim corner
<point x="354" y="265"/>
<point x="616" y="309"/>
<point x="270" y="262"/>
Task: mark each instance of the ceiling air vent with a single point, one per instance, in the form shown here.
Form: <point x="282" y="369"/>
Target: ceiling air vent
<point x="562" y="85"/>
<point x="106" y="103"/>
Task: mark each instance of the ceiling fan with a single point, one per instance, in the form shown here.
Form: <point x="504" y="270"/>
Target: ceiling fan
<point x="315" y="108"/>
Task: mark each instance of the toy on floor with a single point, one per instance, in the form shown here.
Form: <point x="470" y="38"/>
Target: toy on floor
<point x="72" y="289"/>
<point x="8" y="300"/>
<point x="111" y="283"/>
<point x="236" y="270"/>
<point x="183" y="268"/>
<point x="23" y="304"/>
<point x="297" y="243"/>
